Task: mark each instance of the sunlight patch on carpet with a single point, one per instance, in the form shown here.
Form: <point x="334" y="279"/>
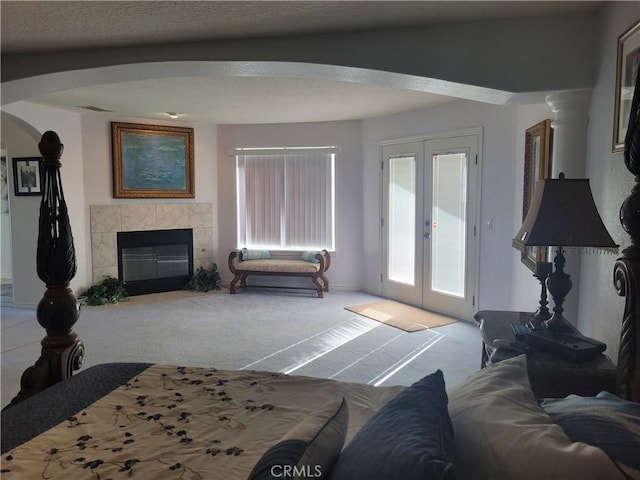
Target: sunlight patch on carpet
<point x="399" y="315"/>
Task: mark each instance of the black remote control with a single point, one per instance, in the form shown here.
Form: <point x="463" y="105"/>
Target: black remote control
<point x="571" y="347"/>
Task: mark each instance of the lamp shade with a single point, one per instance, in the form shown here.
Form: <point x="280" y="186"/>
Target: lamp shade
<point x="563" y="214"/>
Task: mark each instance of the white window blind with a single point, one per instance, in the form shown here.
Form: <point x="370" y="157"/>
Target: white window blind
<point x="286" y="199"/>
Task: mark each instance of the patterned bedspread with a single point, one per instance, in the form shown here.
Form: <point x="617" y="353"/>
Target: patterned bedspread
<point x="185" y="423"/>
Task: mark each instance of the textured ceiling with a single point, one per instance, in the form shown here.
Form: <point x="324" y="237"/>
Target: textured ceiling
<point x="58" y="25"/>
<point x="28" y="27"/>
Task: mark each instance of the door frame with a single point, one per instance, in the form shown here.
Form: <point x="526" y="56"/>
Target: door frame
<point x="474" y="213"/>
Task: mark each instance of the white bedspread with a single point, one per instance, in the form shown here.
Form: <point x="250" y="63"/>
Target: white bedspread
<point x="185" y="423"/>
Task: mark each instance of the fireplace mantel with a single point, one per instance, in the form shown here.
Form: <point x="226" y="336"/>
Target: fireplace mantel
<point x="108" y="220"/>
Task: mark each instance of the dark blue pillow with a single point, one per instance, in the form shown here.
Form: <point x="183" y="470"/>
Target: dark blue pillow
<point x="604" y="421"/>
<point x="410" y="437"/>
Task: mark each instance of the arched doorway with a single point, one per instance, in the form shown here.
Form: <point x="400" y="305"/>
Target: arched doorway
<point x="18" y="215"/>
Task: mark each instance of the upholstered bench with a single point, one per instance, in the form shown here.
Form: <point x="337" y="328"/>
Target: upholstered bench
<point x="313" y="265"/>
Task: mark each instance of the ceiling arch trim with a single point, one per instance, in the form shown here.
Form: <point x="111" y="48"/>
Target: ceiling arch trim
<point x="24" y="89"/>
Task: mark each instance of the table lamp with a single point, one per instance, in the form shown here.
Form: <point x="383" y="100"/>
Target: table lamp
<point x="563" y="215"/>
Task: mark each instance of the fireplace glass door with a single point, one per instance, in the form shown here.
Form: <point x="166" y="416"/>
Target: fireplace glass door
<point x="143" y="263"/>
<point x="155" y="261"/>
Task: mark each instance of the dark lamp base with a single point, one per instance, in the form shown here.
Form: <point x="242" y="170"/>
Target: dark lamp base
<point x="557" y="323"/>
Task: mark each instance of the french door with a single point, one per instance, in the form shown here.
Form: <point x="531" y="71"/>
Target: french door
<point x="429" y="217"/>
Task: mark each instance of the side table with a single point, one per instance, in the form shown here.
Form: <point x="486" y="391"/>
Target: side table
<point x="550" y="376"/>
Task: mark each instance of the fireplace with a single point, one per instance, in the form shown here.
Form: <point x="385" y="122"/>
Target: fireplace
<point x="152" y="261"/>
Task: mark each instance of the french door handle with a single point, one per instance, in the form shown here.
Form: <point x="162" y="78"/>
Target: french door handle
<point x="427" y="235"/>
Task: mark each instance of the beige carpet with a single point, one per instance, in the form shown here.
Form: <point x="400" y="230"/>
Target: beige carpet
<point x="159" y="297"/>
<point x="399" y="315"/>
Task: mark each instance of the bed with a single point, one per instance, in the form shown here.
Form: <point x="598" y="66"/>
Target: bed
<point x="149" y="421"/>
<point x="160" y="421"/>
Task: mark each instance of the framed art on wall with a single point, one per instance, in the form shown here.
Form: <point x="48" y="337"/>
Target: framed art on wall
<point x="27" y="176"/>
<point x="628" y="64"/>
<point x="537" y="166"/>
<point x="152" y="161"/>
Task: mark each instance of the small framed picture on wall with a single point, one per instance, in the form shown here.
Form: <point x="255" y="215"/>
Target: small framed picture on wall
<point x="27" y="176"/>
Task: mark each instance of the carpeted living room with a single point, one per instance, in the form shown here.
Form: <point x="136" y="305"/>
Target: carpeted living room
<point x="257" y="329"/>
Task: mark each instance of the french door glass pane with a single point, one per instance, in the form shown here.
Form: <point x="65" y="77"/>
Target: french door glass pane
<point x="449" y="220"/>
<point x="402" y="219"/>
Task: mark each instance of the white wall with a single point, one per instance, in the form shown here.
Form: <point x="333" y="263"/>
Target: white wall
<point x="346" y="271"/>
<point x="600" y="308"/>
<point x="27" y="287"/>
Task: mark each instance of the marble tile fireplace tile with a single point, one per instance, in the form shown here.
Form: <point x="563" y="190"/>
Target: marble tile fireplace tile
<point x="172" y="215"/>
<point x="138" y="217"/>
<point x="108" y="220"/>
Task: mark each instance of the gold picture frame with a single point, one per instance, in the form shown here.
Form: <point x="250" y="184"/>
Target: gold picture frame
<point x="537" y="166"/>
<point x="152" y="161"/>
<point x="627" y="66"/>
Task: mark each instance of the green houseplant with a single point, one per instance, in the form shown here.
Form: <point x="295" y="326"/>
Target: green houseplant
<point x="110" y="290"/>
<point x="204" y="279"/>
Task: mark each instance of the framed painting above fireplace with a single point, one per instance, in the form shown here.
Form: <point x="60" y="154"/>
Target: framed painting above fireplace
<point x="152" y="161"/>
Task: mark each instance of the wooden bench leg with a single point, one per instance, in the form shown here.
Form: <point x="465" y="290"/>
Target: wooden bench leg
<point x="319" y="287"/>
<point x="232" y="285"/>
<point x="325" y="280"/>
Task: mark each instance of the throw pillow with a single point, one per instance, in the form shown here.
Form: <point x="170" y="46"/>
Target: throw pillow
<point x="606" y="421"/>
<point x="502" y="433"/>
<point x="309" y="257"/>
<point x="254" y="254"/>
<point x="309" y="449"/>
<point x="410" y="437"/>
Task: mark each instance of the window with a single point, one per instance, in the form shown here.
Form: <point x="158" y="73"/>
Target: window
<point x="286" y="198"/>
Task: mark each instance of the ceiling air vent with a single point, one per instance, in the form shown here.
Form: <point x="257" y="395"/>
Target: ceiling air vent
<point x="93" y="108"/>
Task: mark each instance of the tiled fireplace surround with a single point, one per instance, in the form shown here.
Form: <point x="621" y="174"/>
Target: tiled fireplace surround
<point x="108" y="220"/>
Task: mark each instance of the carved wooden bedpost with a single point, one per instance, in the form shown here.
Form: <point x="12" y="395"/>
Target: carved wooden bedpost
<point x="62" y="350"/>
<point x="626" y="273"/>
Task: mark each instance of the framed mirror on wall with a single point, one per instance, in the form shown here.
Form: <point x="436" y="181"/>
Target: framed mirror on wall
<point x="537" y="166"/>
<point x="628" y="64"/>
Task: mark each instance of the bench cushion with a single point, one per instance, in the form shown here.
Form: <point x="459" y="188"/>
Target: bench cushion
<point x="277" y="265"/>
